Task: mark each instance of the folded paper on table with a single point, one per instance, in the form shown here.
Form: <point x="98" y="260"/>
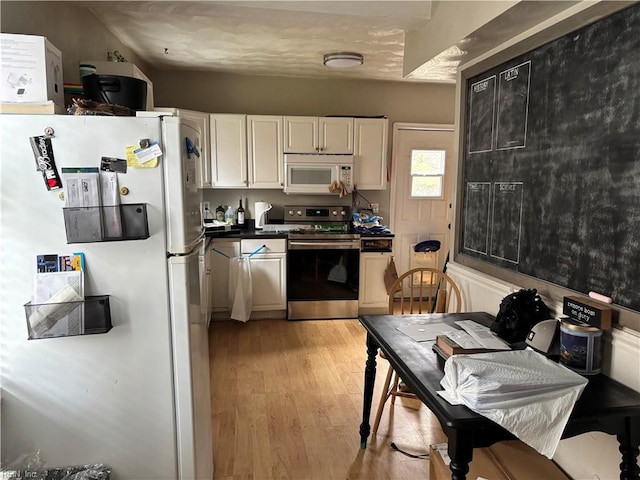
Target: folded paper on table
<point x="423" y="332"/>
<point x="522" y="391"/>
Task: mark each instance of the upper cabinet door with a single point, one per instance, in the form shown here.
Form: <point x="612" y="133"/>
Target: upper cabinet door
<point x="228" y="150"/>
<point x="301" y="135"/>
<point x="370" y="159"/>
<point x="265" y="151"/>
<point x="336" y="134"/>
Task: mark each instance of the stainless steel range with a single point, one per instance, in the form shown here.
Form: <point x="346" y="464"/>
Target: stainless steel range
<point x="323" y="263"/>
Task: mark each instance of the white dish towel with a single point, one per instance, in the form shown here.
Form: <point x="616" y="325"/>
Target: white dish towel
<point x="522" y="391"/>
<point x="240" y="291"/>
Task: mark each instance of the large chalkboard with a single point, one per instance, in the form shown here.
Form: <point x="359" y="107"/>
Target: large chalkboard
<point x="550" y="177"/>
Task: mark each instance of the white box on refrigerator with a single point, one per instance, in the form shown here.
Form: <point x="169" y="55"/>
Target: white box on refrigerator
<point x="30" y="70"/>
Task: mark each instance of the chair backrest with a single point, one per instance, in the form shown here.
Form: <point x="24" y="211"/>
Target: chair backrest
<point x="424" y="290"/>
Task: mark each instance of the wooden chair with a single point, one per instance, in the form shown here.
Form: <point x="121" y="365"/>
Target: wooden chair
<point x="420" y="290"/>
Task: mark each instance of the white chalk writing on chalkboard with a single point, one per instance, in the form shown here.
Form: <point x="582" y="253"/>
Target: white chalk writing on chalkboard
<point x="481" y="109"/>
<point x="513" y="107"/>
<point x="506" y="221"/>
<point x="476" y="219"/>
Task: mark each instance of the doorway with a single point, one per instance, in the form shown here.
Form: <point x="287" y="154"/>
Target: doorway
<point x="422" y="183"/>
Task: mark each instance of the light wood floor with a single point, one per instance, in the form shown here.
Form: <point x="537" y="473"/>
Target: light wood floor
<point x="287" y="403"/>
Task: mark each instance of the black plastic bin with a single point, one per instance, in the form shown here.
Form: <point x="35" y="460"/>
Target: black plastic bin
<point x="116" y="90"/>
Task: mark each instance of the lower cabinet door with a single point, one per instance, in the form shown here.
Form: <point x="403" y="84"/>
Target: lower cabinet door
<point x="373" y="292"/>
<point x="268" y="273"/>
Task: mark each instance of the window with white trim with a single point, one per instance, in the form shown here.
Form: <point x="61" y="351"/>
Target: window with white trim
<point x="427" y="173"/>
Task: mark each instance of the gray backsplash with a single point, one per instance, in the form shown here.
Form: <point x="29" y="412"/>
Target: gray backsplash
<point x="279" y="199"/>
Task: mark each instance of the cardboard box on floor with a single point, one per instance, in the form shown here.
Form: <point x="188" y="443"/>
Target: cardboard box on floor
<point x="510" y="460"/>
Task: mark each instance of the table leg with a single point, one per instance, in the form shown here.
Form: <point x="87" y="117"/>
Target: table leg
<point x="369" y="382"/>
<point x="629" y="441"/>
<point x="460" y="453"/>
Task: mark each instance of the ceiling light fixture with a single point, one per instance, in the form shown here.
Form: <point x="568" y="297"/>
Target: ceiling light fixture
<point x="343" y="59"/>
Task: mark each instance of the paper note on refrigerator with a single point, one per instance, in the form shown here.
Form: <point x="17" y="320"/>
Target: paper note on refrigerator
<point x="132" y="159"/>
<point x="111" y="204"/>
<point x="81" y="186"/>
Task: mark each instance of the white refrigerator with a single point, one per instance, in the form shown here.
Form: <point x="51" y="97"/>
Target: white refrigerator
<point x="137" y="397"/>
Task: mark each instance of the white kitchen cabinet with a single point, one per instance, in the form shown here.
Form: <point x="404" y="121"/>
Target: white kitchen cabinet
<point x="372" y="296"/>
<point x="370" y="153"/>
<point x="265" y="152"/>
<point x="330" y="135"/>
<point x="268" y="273"/>
<point x="200" y="121"/>
<point x="220" y="272"/>
<point x="228" y="150"/>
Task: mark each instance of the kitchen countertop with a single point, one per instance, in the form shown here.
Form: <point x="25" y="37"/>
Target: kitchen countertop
<point x="251" y="232"/>
<point x="245" y="233"/>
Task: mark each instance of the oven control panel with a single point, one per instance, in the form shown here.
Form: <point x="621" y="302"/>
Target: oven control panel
<point x="304" y="213"/>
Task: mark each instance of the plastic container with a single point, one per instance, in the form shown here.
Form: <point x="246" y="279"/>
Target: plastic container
<point x="116" y="90"/>
<point x="580" y="346"/>
<point x="228" y="215"/>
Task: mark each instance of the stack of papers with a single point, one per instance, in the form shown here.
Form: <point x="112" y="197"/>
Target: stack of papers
<point x="471" y="335"/>
<point x="58" y="289"/>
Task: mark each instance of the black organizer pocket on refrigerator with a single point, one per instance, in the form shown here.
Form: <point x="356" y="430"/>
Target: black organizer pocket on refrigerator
<point x="103" y="224"/>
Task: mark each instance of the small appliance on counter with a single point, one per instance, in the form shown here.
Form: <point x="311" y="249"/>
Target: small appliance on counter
<point x="260" y="211"/>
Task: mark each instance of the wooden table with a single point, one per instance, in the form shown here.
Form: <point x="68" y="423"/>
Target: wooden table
<point x="605" y="405"/>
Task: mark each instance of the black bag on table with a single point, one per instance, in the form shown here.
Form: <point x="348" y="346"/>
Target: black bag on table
<point x="518" y="313"/>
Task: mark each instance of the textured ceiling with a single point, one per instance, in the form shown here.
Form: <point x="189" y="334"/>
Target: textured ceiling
<point x="289" y="38"/>
<point x="263" y="38"/>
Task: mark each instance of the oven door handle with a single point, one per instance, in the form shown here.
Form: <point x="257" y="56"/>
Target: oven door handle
<point x="302" y="245"/>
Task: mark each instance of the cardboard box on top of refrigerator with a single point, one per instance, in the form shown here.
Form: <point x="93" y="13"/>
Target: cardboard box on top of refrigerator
<point x="30" y="70"/>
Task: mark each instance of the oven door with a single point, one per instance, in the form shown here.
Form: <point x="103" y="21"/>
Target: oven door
<point x="322" y="279"/>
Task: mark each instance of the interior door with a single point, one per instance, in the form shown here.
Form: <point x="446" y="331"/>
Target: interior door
<point x="415" y="218"/>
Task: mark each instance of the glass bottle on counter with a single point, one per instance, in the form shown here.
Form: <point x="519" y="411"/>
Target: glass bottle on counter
<point x="220" y="213"/>
<point x="240" y="214"/>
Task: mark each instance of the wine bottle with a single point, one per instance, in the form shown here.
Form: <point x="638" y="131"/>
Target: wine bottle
<point x="240" y="214"/>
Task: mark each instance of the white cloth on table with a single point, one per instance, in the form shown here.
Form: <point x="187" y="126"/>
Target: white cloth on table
<point x="522" y="391"/>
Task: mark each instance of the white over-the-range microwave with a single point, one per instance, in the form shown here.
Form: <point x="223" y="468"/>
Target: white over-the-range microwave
<point x="310" y="174"/>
